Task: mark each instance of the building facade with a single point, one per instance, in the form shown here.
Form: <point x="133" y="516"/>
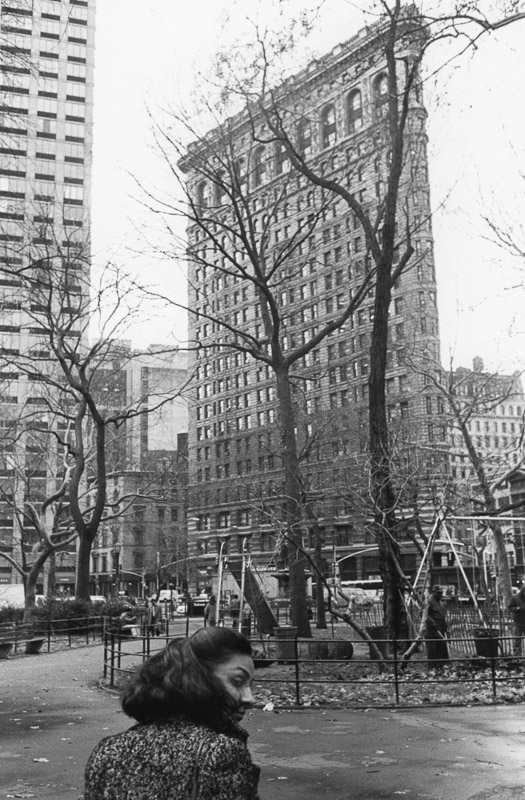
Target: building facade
<point x="492" y="406"/>
<point x="143" y="547"/>
<point x="46" y="123"/>
<point x="318" y="255"/>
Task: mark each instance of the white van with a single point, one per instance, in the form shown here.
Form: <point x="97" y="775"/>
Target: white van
<point x="14" y="595"/>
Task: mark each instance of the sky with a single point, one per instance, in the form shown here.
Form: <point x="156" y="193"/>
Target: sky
<point x="149" y="54"/>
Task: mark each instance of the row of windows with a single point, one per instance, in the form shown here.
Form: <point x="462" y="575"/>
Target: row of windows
<point x="303" y="317"/>
<point x="16" y="143"/>
<point x="264" y="157"/>
<point x="489" y="442"/>
<point x="496" y="426"/>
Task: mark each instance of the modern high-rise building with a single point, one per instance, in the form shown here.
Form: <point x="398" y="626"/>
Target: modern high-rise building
<point x="314" y="247"/>
<point x="46" y="135"/>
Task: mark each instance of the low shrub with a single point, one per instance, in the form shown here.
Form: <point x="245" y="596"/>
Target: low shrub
<point x="54" y="608"/>
<point x="11" y="614"/>
<point x="115" y="607"/>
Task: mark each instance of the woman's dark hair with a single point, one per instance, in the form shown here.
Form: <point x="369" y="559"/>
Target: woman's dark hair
<point x="180" y="679"/>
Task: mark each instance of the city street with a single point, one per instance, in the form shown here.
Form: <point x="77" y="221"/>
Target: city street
<point x="52" y="713"/>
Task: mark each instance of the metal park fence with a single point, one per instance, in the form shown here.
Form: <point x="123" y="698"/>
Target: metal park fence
<point x="56" y="633"/>
<point x="292" y="671"/>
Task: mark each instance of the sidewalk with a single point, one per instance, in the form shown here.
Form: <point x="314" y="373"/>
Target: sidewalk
<point x="52" y="713"/>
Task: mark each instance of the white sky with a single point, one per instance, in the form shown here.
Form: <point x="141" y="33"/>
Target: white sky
<point x="147" y="52"/>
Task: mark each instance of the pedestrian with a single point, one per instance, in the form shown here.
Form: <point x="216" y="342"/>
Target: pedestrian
<point x="434" y="629"/>
<point x="154" y="617"/>
<point x="517" y="610"/>
<point x="210" y="612"/>
<point x="188" y="700"/>
<point x="235" y="610"/>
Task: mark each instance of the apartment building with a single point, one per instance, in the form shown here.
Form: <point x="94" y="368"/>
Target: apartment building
<point x="318" y="253"/>
<point x="491" y="406"/>
<point x="46" y="122"/>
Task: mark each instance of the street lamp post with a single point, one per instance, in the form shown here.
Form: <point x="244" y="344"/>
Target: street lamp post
<point x="116" y="566"/>
<point x="243" y="580"/>
<point x="219" y="585"/>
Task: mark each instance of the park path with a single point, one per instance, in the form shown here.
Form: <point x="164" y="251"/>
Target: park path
<point x="52" y="713"/>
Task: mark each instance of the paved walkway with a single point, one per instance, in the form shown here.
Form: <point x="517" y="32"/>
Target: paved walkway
<point x="52" y="714"/>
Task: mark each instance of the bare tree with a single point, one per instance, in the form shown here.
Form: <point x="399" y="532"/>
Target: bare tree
<point x="472" y="398"/>
<point x="231" y="240"/>
<point x="239" y="248"/>
<point x="404" y="35"/>
<point x="63" y="377"/>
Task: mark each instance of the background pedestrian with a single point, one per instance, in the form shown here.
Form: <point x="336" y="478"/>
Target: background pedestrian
<point x="517" y="610"/>
<point x="434" y="626"/>
<point x="210" y="611"/>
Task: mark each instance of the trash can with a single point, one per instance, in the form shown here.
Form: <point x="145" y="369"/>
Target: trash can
<point x="486" y="642"/>
<point x="285" y="643"/>
<point x="379" y="635"/>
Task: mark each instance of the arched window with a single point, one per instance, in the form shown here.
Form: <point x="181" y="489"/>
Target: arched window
<point x="355" y="111"/>
<point x="239" y="174"/>
<point x="381" y="96"/>
<point x="259" y="166"/>
<point x="304" y="137"/>
<point x="221" y="187"/>
<point x="328" y="126"/>
<point x="281" y="158"/>
<point x="203" y="194"/>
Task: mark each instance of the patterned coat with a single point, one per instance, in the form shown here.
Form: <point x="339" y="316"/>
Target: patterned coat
<point x="156" y="760"/>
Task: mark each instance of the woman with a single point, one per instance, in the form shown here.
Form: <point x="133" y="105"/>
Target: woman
<point x="188" y="700"/>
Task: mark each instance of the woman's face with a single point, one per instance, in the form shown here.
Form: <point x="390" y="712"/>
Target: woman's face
<point x="236" y="675"/>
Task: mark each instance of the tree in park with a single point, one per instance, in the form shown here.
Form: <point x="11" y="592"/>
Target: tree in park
<point x="405" y="34"/>
<point x="471" y="397"/>
<point x="230" y="235"/>
<point x="33" y="489"/>
<point x="66" y="434"/>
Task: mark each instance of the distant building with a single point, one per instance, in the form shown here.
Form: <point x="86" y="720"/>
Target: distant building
<point x="147" y="473"/>
<point x="234" y="463"/>
<point x="492" y="406"/>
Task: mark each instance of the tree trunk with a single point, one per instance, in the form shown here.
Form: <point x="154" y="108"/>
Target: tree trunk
<point x="319" y="586"/>
<point x="30" y="581"/>
<point x="383" y="493"/>
<point x="502" y="564"/>
<point x="83" y="567"/>
<point x="293" y="506"/>
<point x="50" y="575"/>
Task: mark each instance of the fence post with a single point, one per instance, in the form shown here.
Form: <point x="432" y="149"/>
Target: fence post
<point x="297" y="679"/>
<point x="112" y="659"/>
<point x="493" y="671"/>
<point x="396" y="671"/>
<point x="49" y="630"/>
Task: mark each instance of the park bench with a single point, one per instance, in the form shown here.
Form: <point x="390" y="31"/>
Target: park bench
<point x="16" y="633"/>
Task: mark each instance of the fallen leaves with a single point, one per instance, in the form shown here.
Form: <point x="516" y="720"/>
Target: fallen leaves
<point x="325" y="685"/>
